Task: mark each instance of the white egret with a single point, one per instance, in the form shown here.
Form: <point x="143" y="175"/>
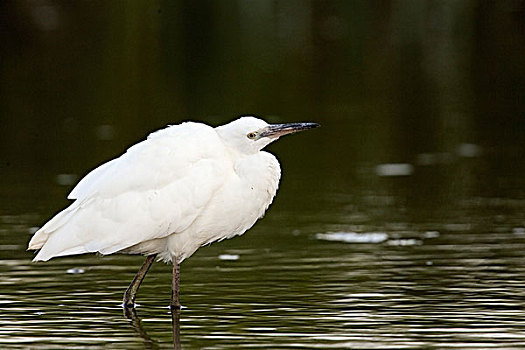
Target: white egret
<point x="183" y="187"/>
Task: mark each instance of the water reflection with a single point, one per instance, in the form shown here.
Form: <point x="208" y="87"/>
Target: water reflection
<point x="460" y="288"/>
<point x="175" y="322"/>
<point x="149" y="343"/>
<point x="136" y="323"/>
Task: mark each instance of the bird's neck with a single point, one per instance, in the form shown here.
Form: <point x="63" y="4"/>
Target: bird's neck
<point x="261" y="170"/>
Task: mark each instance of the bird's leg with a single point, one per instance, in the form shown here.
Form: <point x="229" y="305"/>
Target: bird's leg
<point x="175" y="283"/>
<point x="175" y="321"/>
<point x="131" y="292"/>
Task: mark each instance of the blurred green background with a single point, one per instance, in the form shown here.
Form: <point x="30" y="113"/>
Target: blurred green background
<point x="436" y="87"/>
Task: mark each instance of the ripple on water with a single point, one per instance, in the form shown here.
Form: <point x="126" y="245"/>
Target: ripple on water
<point x="447" y="290"/>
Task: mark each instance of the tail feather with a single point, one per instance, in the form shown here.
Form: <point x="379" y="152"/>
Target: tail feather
<point x="60" y="242"/>
<point x="104" y="226"/>
<point x="44" y="255"/>
<point x="42" y="235"/>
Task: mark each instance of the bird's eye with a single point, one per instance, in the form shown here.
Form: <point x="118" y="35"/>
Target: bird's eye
<point x="251" y="135"/>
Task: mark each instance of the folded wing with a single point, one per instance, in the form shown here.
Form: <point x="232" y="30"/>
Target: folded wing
<point x="157" y="188"/>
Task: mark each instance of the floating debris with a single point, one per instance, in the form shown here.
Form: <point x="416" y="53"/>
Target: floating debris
<point x="76" y="270"/>
<point x="353" y="237"/>
<point x="404" y="242"/>
<point x="229" y="257"/>
<point x="518" y="231"/>
<point x="431" y="234"/>
<point x="394" y="169"/>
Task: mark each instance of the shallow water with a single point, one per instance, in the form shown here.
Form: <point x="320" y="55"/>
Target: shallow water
<point x="428" y="285"/>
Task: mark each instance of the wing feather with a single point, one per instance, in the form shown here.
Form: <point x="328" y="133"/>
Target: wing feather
<point x="158" y="187"/>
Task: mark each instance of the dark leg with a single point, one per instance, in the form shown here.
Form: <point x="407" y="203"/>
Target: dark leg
<point x="131" y="292"/>
<point x="175" y="282"/>
<point x="175" y="319"/>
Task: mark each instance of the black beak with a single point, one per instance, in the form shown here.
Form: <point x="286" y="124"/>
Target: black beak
<point x="278" y="130"/>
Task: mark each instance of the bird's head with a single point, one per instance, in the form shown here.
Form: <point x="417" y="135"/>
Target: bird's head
<point x="249" y="134"/>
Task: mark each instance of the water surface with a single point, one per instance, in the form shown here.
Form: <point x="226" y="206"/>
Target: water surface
<point x="448" y="284"/>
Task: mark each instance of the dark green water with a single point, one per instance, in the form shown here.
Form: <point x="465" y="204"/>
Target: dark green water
<point x="450" y="283"/>
<point x="400" y="224"/>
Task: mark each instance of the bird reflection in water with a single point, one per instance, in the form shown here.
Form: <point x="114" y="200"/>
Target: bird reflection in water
<point x="136" y="323"/>
<point x="175" y="321"/>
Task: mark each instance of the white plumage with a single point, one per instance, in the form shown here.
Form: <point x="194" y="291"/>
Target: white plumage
<point x="184" y="186"/>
